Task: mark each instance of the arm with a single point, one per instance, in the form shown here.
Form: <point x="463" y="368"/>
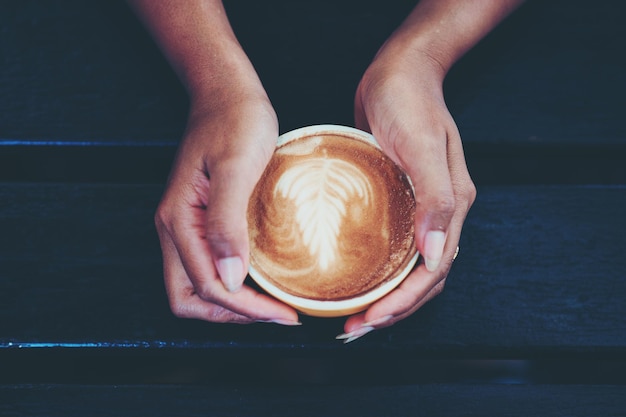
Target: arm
<point x="196" y="38"/>
<point x="444" y="30"/>
<point x="400" y="100"/>
<point x="230" y="136"/>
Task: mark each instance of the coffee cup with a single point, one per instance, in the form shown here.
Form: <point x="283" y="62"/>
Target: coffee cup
<point x="331" y="222"/>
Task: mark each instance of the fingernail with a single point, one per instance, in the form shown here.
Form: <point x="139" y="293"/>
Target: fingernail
<point x="283" y="322"/>
<point x="231" y="272"/>
<point x="378" y="322"/>
<point x="355" y="334"/>
<point x="433" y="249"/>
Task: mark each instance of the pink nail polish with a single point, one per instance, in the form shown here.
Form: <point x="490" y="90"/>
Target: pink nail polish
<point x="433" y="249"/>
<point x="355" y="334"/>
<point x="231" y="272"/>
<point x="378" y="322"/>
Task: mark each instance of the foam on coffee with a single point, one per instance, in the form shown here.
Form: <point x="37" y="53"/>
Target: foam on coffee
<point x="331" y="218"/>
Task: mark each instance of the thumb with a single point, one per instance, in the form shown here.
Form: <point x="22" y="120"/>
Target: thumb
<point x="230" y="187"/>
<point x="434" y="196"/>
<point x="424" y="157"/>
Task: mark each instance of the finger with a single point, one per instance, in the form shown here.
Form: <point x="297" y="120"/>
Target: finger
<point x="397" y="305"/>
<point x="232" y="181"/>
<point x="416" y="290"/>
<point x="182" y="296"/>
<point x="434" y="195"/>
<point x="194" y="289"/>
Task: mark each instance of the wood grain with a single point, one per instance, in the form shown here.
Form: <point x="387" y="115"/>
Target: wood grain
<point x="421" y="400"/>
<point x="540" y="274"/>
<point x="80" y="73"/>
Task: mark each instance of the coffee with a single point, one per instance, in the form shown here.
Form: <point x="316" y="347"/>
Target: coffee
<point x="331" y="218"/>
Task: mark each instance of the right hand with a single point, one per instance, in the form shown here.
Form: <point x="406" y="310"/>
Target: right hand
<point x="201" y="220"/>
<point x="400" y="100"/>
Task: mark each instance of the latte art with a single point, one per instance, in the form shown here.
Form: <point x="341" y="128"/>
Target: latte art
<point x="331" y="218"/>
<point x="321" y="190"/>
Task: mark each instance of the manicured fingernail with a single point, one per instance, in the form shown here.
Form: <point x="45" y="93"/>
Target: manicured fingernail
<point x="231" y="272"/>
<point x="355" y="334"/>
<point x="378" y="322"/>
<point x="282" y="322"/>
<point x="433" y="249"/>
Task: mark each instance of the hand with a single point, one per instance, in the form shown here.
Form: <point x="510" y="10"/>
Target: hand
<point x="230" y="138"/>
<point x="400" y="100"/>
<point x="201" y="219"/>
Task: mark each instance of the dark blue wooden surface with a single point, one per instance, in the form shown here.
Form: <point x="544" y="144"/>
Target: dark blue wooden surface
<point x="541" y="273"/>
<point x="84" y="72"/>
<point x="82" y="87"/>
<point x="430" y="400"/>
<point x="87" y="73"/>
<point x="91" y="114"/>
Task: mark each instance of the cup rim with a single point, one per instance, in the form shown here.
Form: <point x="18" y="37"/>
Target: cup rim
<point x="315" y="130"/>
<point x="328" y="308"/>
<point x="332" y="308"/>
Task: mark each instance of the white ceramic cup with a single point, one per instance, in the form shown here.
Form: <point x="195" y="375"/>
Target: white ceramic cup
<point x="322" y="308"/>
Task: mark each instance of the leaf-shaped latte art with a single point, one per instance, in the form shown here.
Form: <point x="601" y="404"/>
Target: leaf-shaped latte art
<point x="321" y="189"/>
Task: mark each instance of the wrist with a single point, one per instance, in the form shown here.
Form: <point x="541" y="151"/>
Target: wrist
<point x="226" y="84"/>
<point x="232" y="106"/>
<point x="410" y="57"/>
<point x="444" y="30"/>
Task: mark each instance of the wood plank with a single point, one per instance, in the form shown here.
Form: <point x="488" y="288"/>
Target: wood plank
<point x="78" y="72"/>
<point x="540" y="274"/>
<point x="549" y="75"/>
<point x="422" y="400"/>
<point x="73" y="72"/>
<point x="502" y="164"/>
<point x="546" y="87"/>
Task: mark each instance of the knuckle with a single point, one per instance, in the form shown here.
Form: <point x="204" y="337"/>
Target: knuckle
<point x="205" y="292"/>
<point x="160" y="216"/>
<point x="221" y="229"/>
<point x="438" y="289"/>
<point x="445" y="203"/>
<point x="217" y="227"/>
<point x="466" y="191"/>
<point x="179" y="309"/>
<point x="163" y="217"/>
<point x="177" y="303"/>
<point x="440" y="202"/>
<point x="218" y="234"/>
<point x="470" y="192"/>
<point x="219" y="314"/>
